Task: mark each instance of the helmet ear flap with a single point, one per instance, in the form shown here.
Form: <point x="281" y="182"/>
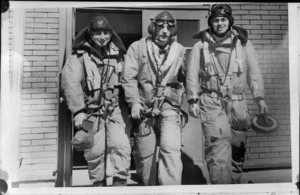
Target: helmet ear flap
<point x="151" y="29"/>
<point x="174" y="31"/>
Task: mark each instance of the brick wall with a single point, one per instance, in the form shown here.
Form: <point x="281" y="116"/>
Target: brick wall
<point x="267" y="25"/>
<point x="39" y="125"/>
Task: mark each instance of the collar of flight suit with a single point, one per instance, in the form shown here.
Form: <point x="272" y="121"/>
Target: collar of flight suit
<point x="173" y="48"/>
<point x="235" y="60"/>
<point x="238" y="31"/>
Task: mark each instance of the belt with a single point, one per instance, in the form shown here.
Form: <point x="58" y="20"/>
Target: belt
<point x="213" y="94"/>
<point x="237" y="97"/>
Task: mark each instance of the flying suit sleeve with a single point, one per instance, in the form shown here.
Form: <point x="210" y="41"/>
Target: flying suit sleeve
<point x="129" y="75"/>
<point x="254" y="79"/>
<point x="71" y="82"/>
<point x="192" y="72"/>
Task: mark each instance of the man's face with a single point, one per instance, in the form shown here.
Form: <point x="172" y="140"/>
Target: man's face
<point x="163" y="33"/>
<point x="101" y="38"/>
<point x="220" y="25"/>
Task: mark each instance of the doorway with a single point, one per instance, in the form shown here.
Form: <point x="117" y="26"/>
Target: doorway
<point x="127" y="24"/>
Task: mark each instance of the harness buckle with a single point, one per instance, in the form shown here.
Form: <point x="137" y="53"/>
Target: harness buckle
<point x="160" y="91"/>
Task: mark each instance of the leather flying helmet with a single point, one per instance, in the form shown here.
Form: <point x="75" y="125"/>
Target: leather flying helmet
<point x="221" y="10"/>
<point x="99" y="23"/>
<point x="160" y="19"/>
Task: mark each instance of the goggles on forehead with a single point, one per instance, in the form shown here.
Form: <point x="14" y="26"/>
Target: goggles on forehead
<point x="224" y="7"/>
<point x="161" y="22"/>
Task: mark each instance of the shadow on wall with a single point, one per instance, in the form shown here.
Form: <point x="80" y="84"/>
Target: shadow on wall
<point x="3" y="175"/>
<point x="3" y="182"/>
<point x="192" y="173"/>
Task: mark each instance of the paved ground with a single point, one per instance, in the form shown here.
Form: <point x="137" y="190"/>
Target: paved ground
<point x="267" y="176"/>
<point x="80" y="178"/>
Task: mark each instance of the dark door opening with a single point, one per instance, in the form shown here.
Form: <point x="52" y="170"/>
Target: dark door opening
<point x="128" y="25"/>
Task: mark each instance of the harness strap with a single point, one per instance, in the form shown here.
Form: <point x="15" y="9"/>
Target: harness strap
<point x="92" y="73"/>
<point x="239" y="56"/>
<point x="209" y="68"/>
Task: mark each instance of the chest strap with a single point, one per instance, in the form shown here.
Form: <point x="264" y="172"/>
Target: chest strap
<point x="93" y="76"/>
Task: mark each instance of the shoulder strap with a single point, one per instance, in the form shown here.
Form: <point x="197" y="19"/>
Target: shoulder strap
<point x="92" y="73"/>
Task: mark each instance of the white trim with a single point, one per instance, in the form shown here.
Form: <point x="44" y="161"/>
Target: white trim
<point x="62" y="36"/>
<point x="64" y="4"/>
<point x="66" y="34"/>
<point x="294" y="60"/>
<point x="11" y="79"/>
<point x="5" y="91"/>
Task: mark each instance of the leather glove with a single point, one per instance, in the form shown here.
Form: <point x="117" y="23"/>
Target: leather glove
<point x="194" y="110"/>
<point x="78" y="119"/>
<point x="263" y="108"/>
<point x="136" y="110"/>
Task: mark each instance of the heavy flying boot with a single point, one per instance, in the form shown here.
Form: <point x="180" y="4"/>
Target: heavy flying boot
<point x="119" y="182"/>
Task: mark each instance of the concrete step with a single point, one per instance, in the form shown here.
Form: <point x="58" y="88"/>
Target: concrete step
<point x="81" y="179"/>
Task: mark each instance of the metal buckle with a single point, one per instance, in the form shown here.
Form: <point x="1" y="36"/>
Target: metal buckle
<point x="159" y="91"/>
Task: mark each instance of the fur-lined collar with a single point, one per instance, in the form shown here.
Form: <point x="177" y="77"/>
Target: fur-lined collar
<point x="241" y="33"/>
<point x="82" y="43"/>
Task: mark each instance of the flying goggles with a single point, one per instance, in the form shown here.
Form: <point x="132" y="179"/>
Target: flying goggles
<point x="219" y="7"/>
<point x="161" y="22"/>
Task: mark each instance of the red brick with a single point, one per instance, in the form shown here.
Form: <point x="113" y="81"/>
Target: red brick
<point x="36" y="15"/>
<point x="36" y="25"/>
<point x="277" y="12"/>
<point x="46" y="30"/>
<point x="280" y="149"/>
<point x="51" y="135"/>
<point x="31" y="148"/>
<point x="251" y="17"/>
<point x="33" y="161"/>
<point x="44" y="142"/>
<point x="35" y="36"/>
<point x="45" y="42"/>
<point x="51" y="10"/>
<point x="43" y="154"/>
<point x="34" y="47"/>
<point x="25" y="143"/>
<point x="259" y="12"/>
<point x="270" y="7"/>
<point x="263" y="32"/>
<point x="53" y="26"/>
<point x="33" y="69"/>
<point x="46" y="20"/>
<point x="38" y="85"/>
<point x="44" y="130"/>
<point x="268" y="155"/>
<point x="53" y="15"/>
<point x="260" y="149"/>
<point x="271" y="18"/>
<point x="285" y="154"/>
<point x="50" y="148"/>
<point x="50" y="124"/>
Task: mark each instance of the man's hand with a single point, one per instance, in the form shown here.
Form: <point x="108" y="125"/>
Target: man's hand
<point x="136" y="110"/>
<point x="194" y="110"/>
<point x="78" y="119"/>
<point x="263" y="108"/>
